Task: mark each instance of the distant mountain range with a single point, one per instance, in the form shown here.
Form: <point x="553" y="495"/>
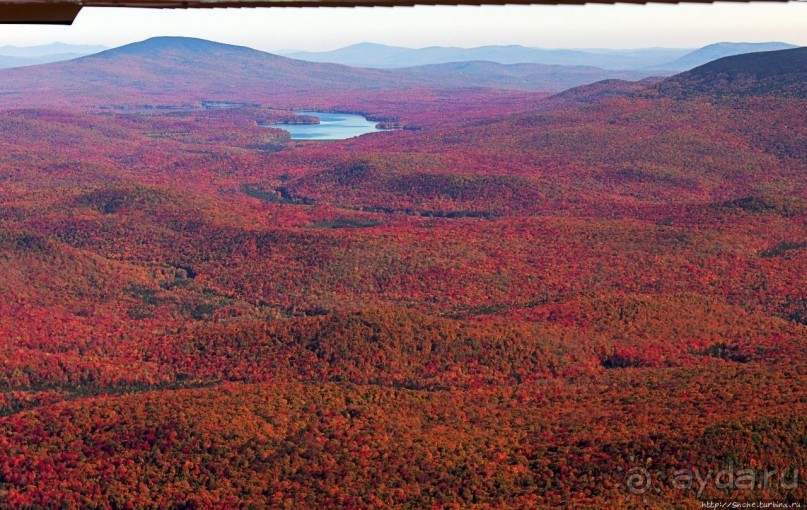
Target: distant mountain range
<point x="640" y="62"/>
<point x="382" y="56"/>
<point x="173" y="71"/>
<point x="671" y="59"/>
<point x="19" y="56"/>
<point x="50" y="49"/>
<point x="179" y="70"/>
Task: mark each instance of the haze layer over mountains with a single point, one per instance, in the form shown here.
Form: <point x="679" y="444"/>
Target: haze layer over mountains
<point x="664" y="60"/>
<point x="669" y="59"/>
<point x="179" y="70"/>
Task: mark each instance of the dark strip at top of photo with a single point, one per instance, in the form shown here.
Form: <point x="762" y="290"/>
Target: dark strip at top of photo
<point x="64" y="12"/>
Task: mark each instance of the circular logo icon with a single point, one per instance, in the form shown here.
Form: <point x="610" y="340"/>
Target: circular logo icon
<point x="638" y="480"/>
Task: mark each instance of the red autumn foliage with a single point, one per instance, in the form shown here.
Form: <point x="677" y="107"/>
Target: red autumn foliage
<point x="511" y="307"/>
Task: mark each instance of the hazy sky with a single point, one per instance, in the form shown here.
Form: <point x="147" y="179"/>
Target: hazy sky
<point x="589" y="26"/>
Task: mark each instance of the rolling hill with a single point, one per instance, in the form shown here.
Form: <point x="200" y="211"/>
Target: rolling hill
<point x="171" y="70"/>
<point x="179" y="70"/>
<point x="719" y="50"/>
<point x="551" y="78"/>
<point x="771" y="73"/>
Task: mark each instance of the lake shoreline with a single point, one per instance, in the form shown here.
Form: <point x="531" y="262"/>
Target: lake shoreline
<point x="330" y="126"/>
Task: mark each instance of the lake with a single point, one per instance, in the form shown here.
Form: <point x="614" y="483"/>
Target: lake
<point x="332" y="126"/>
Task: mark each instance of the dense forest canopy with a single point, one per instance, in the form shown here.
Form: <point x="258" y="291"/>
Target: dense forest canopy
<point x="521" y="301"/>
